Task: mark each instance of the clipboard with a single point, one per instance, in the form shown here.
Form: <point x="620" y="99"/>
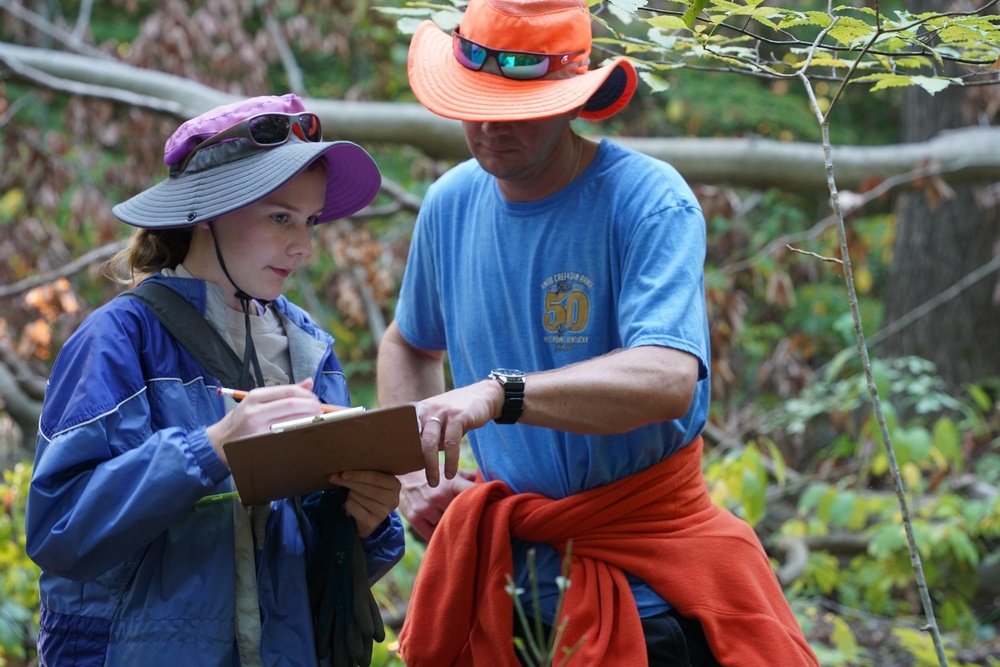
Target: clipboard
<point x="296" y="461"/>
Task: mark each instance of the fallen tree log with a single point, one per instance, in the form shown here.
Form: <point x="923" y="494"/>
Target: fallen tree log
<point x="965" y="155"/>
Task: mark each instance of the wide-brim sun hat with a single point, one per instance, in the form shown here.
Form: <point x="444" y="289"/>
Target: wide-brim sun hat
<point x="238" y="174"/>
<point x="449" y="89"/>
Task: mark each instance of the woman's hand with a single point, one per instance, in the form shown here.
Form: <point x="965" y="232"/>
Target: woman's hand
<point x="371" y="497"/>
<point x="261" y="408"/>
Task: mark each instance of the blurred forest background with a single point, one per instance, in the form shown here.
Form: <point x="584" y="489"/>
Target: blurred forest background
<point x="90" y="91"/>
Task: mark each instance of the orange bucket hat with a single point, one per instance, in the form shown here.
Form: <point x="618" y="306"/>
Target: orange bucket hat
<point x="450" y="89"/>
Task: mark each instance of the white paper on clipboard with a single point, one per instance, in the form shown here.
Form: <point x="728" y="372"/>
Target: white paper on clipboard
<point x="317" y="419"/>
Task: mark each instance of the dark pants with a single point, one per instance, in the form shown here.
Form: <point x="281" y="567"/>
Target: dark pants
<point x="671" y="641"/>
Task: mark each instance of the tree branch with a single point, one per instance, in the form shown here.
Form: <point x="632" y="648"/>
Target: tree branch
<point x="967" y="155"/>
<point x="77" y="265"/>
<point x="927" y="306"/>
<point x="21" y="393"/>
<point x="296" y="83"/>
<point x="47" y="28"/>
<point x="32" y="75"/>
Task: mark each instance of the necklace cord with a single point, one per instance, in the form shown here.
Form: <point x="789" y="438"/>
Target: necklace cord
<point x="579" y="155"/>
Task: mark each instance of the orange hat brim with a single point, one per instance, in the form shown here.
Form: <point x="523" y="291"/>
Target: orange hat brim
<point x="449" y="89"/>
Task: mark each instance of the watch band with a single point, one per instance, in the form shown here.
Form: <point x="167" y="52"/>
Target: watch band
<point x="512" y="382"/>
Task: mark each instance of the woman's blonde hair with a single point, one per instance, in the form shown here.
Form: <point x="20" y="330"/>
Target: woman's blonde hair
<point x="148" y="251"/>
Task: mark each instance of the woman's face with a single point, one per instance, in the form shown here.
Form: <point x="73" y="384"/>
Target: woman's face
<point x="263" y="243"/>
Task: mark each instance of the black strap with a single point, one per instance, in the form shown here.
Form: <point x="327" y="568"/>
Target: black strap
<point x="191" y="330"/>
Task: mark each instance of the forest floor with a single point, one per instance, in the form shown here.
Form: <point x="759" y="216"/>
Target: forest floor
<point x="880" y="644"/>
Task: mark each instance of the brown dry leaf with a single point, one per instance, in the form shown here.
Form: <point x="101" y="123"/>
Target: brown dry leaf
<point x="349" y="302"/>
<point x="36" y="339"/>
<point x="929" y="164"/>
<point x="780" y="290"/>
<point x="68" y="301"/>
<point x="803" y="346"/>
<point x="39" y="298"/>
<point x="382" y="285"/>
<point x="39" y="332"/>
<point x="870" y="183"/>
<point x="936" y="191"/>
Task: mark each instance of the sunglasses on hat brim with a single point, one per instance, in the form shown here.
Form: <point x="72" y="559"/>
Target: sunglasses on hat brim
<point x="264" y="130"/>
<point x="519" y="65"/>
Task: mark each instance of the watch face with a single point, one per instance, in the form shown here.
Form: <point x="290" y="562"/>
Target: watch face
<point x="507" y="372"/>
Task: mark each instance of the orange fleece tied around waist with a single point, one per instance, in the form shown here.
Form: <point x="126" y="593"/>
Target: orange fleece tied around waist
<point x="659" y="524"/>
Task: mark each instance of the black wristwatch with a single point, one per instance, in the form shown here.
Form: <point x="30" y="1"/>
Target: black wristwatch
<point x="513" y="394"/>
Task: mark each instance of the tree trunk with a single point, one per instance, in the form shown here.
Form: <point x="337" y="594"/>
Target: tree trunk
<point x="938" y="243"/>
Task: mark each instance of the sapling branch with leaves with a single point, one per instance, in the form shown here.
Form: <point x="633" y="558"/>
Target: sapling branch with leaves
<point x="852" y="46"/>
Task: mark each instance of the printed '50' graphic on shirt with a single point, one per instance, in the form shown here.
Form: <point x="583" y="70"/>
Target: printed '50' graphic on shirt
<point x="566" y="309"/>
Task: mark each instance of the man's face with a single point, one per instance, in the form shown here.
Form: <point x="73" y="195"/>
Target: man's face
<point x="522" y="154"/>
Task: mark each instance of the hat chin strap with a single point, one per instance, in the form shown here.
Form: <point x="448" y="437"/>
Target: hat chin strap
<point x="249" y="351"/>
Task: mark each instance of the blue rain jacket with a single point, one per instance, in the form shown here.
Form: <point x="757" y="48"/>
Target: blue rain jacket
<point x="135" y="570"/>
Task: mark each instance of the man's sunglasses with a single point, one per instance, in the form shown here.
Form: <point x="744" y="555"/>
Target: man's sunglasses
<point x="520" y="65"/>
<point x="265" y="130"/>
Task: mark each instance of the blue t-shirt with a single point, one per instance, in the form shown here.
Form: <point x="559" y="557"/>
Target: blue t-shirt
<point x="615" y="260"/>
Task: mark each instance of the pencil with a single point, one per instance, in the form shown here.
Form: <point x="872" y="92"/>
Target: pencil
<point x="239" y="395"/>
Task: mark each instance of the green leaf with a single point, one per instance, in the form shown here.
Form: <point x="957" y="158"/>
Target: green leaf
<point x="844" y="639"/>
<point x="932" y="84"/>
<point x="794" y="19"/>
<point x="11" y="203"/>
<point x="447" y="20"/>
<point x="848" y="8"/>
<point x="961" y="546"/>
<point x="842" y="508"/>
<point x="753" y="498"/>
<point x="825" y="570"/>
<point x="912" y="444"/>
<point x="656" y="84"/>
<point x="887" y="541"/>
<point x="885" y="81"/>
<point x="948" y="441"/>
<point x="778" y="460"/>
<point x="409" y="25"/>
<point x="691" y="13"/>
<point x="850" y="30"/>
<point x="935" y="84"/>
<point x="823" y="60"/>
<point x="668" y="23"/>
<point x="753" y="10"/>
<point x="811" y="497"/>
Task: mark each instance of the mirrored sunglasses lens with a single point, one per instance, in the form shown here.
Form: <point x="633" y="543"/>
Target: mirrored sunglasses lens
<point x="515" y="65"/>
<point x="310" y="127"/>
<point x="269" y="129"/>
<point x="469" y="53"/>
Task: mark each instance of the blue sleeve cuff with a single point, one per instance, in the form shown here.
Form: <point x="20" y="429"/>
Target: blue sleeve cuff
<point x="385" y="547"/>
<point x="205" y="454"/>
